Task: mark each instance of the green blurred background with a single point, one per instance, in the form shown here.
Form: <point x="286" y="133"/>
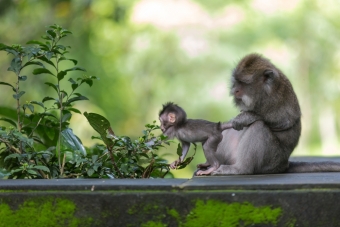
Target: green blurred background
<point x="149" y="52"/>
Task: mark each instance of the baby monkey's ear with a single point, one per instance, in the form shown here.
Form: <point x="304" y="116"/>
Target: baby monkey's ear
<point x="172" y="117"/>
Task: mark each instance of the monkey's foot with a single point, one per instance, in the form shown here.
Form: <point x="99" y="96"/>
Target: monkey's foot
<point x="222" y="170"/>
<point x="205" y="172"/>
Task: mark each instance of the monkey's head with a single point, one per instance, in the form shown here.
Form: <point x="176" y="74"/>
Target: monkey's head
<point x="255" y="82"/>
<point x="171" y="116"/>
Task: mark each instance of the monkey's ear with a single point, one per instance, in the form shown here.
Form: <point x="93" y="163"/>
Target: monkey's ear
<point x="269" y="75"/>
<point x="172" y="117"/>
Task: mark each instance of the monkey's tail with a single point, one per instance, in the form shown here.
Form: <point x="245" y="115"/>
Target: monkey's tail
<point x="309" y="167"/>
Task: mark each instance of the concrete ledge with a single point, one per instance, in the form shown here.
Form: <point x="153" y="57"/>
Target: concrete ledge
<point x="310" y="199"/>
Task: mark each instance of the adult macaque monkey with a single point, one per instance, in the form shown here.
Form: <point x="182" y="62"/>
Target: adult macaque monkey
<point x="174" y="123"/>
<point x="264" y="134"/>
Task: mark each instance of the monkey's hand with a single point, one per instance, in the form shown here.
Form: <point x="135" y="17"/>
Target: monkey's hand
<point x="237" y="125"/>
<point x="175" y="164"/>
<point x="244" y="119"/>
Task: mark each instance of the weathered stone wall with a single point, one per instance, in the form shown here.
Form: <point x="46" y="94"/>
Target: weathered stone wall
<point x="259" y="200"/>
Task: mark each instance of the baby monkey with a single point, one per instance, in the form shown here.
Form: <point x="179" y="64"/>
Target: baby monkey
<point x="174" y="124"/>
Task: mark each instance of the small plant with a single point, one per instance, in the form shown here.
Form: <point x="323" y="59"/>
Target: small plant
<point x="39" y="142"/>
<point x="46" y="128"/>
<point x="128" y="158"/>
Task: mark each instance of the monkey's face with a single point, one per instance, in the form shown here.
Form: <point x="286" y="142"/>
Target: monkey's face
<point x="167" y="121"/>
<point x="243" y="93"/>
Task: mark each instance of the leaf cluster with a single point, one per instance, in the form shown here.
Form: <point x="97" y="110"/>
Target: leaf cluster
<point x="39" y="142"/>
<point x="130" y="158"/>
<point x="44" y="123"/>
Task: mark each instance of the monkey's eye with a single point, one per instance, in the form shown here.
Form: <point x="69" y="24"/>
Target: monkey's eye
<point x="245" y="81"/>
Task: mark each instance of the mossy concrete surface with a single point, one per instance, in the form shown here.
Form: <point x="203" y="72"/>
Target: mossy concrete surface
<point x="260" y="200"/>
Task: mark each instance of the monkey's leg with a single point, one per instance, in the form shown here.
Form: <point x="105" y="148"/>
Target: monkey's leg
<point x="258" y="151"/>
<point x="229" y="170"/>
<point x="209" y="148"/>
<point x="203" y="165"/>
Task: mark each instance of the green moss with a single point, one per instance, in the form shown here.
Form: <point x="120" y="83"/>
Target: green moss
<point x="42" y="212"/>
<point x="291" y="223"/>
<point x="153" y="224"/>
<point x="216" y="213"/>
<point x="173" y="213"/>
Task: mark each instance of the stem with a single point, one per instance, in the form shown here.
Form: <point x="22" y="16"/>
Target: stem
<point x="60" y="96"/>
<point x="147" y="172"/>
<point x="18" y="107"/>
<point x="35" y="127"/>
<point x="60" y="125"/>
<point x="109" y="149"/>
<point x="8" y="144"/>
<point x="63" y="165"/>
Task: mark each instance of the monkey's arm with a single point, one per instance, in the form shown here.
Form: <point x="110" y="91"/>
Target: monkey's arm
<point x="244" y="119"/>
<point x="185" y="148"/>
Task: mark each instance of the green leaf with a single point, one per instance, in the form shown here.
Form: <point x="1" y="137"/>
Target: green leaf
<point x="90" y="172"/>
<point x="47" y="99"/>
<point x="49" y="115"/>
<point x="185" y="163"/>
<point x="41" y="71"/>
<point x="54" y="86"/>
<point x="66" y="117"/>
<point x="38" y="103"/>
<point x="30" y="171"/>
<point x="30" y="107"/>
<point x="71" y="141"/>
<point x="43" y="168"/>
<point x="33" y="63"/>
<point x="94" y="158"/>
<point x="76" y="69"/>
<point x="72" y="81"/>
<point x="55" y="26"/>
<point x="89" y="82"/>
<point x="22" y="78"/>
<point x="65" y="31"/>
<point x="9" y="121"/>
<point x="15" y="65"/>
<point x="61" y="47"/>
<point x="3" y="46"/>
<point x="101" y="125"/>
<point x="12" y="156"/>
<point x="179" y="150"/>
<point x="79" y="98"/>
<point x="74" y="86"/>
<point x="17" y="96"/>
<point x="42" y="45"/>
<point x="75" y="62"/>
<point x="16" y="170"/>
<point x="46" y="37"/>
<point x="73" y="110"/>
<point x="49" y="55"/>
<point x="61" y="75"/>
<point x="43" y="58"/>
<point x="51" y="33"/>
<point x="4" y="83"/>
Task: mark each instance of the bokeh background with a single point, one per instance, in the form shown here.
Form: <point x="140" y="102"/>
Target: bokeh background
<point x="148" y="52"/>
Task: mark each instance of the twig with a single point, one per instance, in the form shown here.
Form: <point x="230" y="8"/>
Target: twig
<point x="148" y="170"/>
<point x="109" y="149"/>
<point x="8" y="144"/>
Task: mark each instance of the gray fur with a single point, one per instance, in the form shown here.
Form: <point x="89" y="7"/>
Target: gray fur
<point x="267" y="130"/>
<point x="190" y="131"/>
